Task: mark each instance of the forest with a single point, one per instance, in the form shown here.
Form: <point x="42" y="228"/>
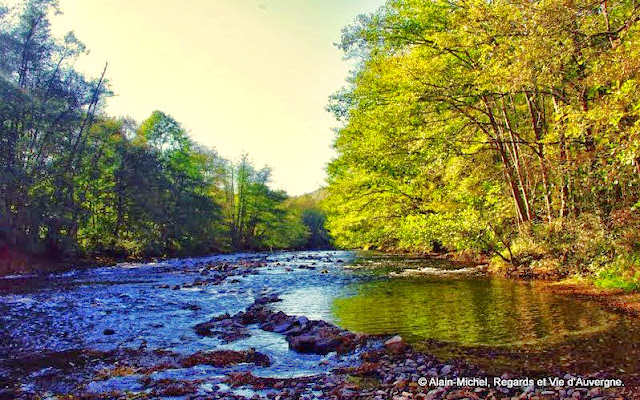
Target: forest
<point x="476" y="140"/>
<point x="507" y="130"/>
<point x="503" y="128"/>
<point x="76" y="182"/>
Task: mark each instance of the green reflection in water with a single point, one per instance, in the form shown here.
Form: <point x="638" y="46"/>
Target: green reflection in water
<point x="468" y="311"/>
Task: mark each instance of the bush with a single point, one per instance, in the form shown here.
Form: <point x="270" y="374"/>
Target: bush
<point x="607" y="250"/>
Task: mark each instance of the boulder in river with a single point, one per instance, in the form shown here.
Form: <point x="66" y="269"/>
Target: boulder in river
<point x="318" y="343"/>
<point x="273" y="298"/>
<point x="225" y="327"/>
<point x="283" y="327"/>
<point x="303" y="335"/>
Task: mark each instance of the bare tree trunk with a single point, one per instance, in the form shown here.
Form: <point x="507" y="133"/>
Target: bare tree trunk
<point x="517" y="161"/>
<point x="564" y="190"/>
<point x="522" y="208"/>
<point x="539" y="128"/>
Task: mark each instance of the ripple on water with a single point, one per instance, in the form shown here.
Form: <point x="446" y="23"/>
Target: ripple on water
<point x="125" y="306"/>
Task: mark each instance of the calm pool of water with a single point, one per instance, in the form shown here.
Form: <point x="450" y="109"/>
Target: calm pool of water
<point x="444" y="305"/>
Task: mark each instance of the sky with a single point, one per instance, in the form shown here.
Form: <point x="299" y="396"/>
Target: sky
<point x="242" y="76"/>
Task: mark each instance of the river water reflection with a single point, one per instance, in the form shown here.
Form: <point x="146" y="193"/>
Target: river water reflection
<point x="353" y="290"/>
<point x="469" y="311"/>
<point x="445" y="305"/>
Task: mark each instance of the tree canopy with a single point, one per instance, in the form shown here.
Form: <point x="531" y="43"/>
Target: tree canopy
<point x="475" y="124"/>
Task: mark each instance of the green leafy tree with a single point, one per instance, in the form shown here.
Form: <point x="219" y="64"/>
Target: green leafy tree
<point x="481" y="125"/>
<point x="257" y="217"/>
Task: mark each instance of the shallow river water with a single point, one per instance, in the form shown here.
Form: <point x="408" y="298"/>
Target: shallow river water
<point x="135" y="303"/>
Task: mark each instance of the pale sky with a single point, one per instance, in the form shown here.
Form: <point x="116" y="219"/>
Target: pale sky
<point x="241" y="75"/>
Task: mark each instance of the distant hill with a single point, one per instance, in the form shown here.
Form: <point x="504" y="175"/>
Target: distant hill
<point x="315" y="196"/>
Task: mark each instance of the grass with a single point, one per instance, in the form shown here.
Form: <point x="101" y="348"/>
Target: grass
<point x="609" y="280"/>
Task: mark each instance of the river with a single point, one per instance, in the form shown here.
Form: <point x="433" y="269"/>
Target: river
<point x="156" y="305"/>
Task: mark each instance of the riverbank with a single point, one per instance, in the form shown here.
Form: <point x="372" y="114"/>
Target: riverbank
<point x="617" y="300"/>
<point x="586" y="288"/>
<point x="583" y="288"/>
<point x="16" y="262"/>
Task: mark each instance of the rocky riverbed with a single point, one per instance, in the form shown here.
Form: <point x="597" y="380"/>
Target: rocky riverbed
<point x="227" y="328"/>
<point x="385" y="368"/>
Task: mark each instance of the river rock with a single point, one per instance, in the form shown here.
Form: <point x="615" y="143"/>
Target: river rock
<point x="283" y="327"/>
<point x="446" y="369"/>
<point x="225" y="327"/>
<point x="396" y="344"/>
<point x="317" y="342"/>
<point x="274" y="298"/>
<point x="303" y="344"/>
<point x="224" y="358"/>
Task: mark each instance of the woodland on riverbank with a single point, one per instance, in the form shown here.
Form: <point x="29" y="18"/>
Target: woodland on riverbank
<point x="77" y="182"/>
<point x="508" y="128"/>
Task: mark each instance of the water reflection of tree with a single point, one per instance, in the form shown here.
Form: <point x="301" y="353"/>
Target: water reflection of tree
<point x="466" y="311"/>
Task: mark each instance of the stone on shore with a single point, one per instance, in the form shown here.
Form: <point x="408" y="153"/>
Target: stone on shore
<point x="396" y="344"/>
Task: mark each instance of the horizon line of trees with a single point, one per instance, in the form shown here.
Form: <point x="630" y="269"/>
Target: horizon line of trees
<point x="75" y="181"/>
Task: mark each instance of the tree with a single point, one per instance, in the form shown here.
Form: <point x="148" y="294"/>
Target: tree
<point x="471" y="123"/>
<point x="46" y="110"/>
<point x="257" y="216"/>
